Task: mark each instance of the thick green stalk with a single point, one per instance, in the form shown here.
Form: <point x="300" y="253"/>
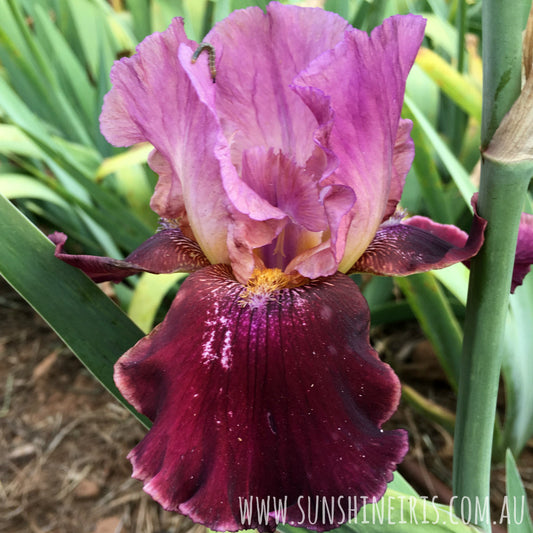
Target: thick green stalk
<point x="502" y="192"/>
<point x="490" y="282"/>
<point x="502" y="60"/>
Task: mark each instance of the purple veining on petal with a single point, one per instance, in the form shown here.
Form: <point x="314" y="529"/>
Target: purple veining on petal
<point x="524" y="251"/>
<point x="165" y="252"/>
<point x="277" y="396"/>
<point x="418" y="244"/>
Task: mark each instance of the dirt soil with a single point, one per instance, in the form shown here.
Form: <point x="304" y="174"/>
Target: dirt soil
<point x="64" y="440"/>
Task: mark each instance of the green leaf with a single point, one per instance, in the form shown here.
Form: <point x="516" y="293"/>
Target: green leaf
<point x="34" y="73"/>
<point x="457" y="86"/>
<point x="440" y="9"/>
<point x="71" y="169"/>
<point x="442" y="34"/>
<point x="517" y="368"/>
<point x="134" y="186"/>
<point x="454" y="167"/>
<point x="423" y="90"/>
<point x="92" y="34"/>
<point x="148" y="295"/>
<point x="15" y="141"/>
<point x="21" y="186"/>
<point x="436" y="318"/>
<point x="222" y="10"/>
<point x="10" y="36"/>
<point x="455" y="279"/>
<point x="430" y="410"/>
<point x="428" y="176"/>
<point x="396" y="512"/>
<point x="399" y="484"/>
<point x="519" y="519"/>
<point x="70" y="72"/>
<point x="140" y="13"/>
<point x="241" y="4"/>
<point x="378" y="291"/>
<point x="391" y="312"/>
<point x="347" y="10"/>
<point x="129" y="158"/>
<point x="87" y="321"/>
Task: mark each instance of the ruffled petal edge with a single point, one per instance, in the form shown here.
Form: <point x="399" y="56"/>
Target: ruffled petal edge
<point x="270" y="396"/>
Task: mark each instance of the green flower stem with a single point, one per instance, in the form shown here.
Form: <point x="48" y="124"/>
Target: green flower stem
<point x="488" y="295"/>
<point x="501" y="199"/>
<point x="502" y="60"/>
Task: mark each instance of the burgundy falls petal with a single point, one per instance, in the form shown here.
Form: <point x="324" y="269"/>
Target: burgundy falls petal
<point x="165" y="252"/>
<point x="417" y="244"/>
<point x="263" y="395"/>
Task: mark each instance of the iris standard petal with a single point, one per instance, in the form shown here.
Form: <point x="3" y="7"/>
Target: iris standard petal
<point x="337" y="200"/>
<point x="417" y="244"/>
<point x="262" y="395"/>
<point x="165" y="252"/>
<point x="364" y="77"/>
<point x="260" y="114"/>
<point x="260" y="54"/>
<point x="153" y="100"/>
<point x="402" y="159"/>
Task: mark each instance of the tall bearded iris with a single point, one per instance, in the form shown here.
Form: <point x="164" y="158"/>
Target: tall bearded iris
<point x="274" y="183"/>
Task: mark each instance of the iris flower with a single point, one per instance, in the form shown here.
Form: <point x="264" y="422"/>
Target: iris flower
<point x="524" y="251"/>
<point x="275" y="182"/>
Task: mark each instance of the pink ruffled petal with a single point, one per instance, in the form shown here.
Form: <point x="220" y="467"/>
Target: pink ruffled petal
<point x="338" y="200"/>
<point x="288" y="187"/>
<point x="524" y="251"/>
<point x="402" y="159"/>
<point x="246" y="235"/>
<point x="153" y="100"/>
<point x="259" y="56"/>
<point x="324" y="258"/>
<point x="260" y="115"/>
<point x="364" y="77"/>
<point x="165" y="252"/>
<point x="418" y="244"/>
<point x="262" y="396"/>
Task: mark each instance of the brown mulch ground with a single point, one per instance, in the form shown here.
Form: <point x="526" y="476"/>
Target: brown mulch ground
<point x="64" y="440"/>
